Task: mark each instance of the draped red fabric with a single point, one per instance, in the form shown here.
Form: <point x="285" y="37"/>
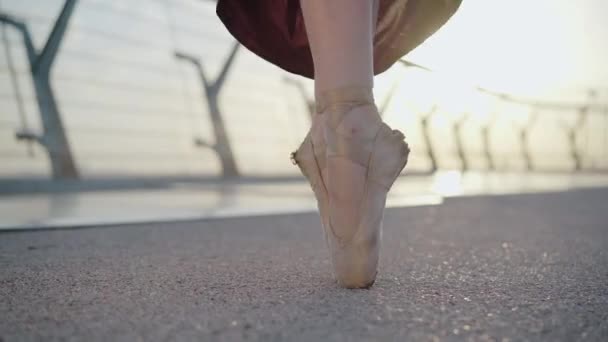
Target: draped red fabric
<point x="274" y="29"/>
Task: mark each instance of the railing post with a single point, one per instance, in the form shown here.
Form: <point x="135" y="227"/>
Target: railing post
<point x="524" y="138"/>
<point x="212" y="91"/>
<point x="457" y="129"/>
<point x="309" y="101"/>
<point x="574" y="131"/>
<point x="54" y="138"/>
<point x="426" y="134"/>
<point x="14" y="79"/>
<point x="486" y="131"/>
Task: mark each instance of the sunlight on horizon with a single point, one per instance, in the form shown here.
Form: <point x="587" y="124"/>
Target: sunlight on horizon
<point x="529" y="48"/>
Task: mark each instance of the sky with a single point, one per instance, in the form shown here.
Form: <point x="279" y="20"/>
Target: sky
<point x="529" y="47"/>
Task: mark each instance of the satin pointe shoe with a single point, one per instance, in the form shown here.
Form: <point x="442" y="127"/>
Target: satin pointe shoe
<point x="310" y="158"/>
<point x="383" y="153"/>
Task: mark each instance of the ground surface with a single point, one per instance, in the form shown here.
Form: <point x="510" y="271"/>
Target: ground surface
<point x="517" y="267"/>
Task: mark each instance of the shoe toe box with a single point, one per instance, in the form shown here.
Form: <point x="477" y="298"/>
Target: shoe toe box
<point x="356" y="264"/>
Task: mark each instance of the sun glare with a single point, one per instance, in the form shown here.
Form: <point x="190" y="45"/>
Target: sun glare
<point x="515" y="46"/>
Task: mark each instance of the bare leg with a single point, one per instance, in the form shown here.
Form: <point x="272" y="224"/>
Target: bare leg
<point x="340" y="36"/>
<point x="340" y="33"/>
<point x="362" y="156"/>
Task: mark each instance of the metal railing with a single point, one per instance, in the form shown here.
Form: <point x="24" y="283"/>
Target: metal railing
<point x="55" y="142"/>
<point x="572" y="133"/>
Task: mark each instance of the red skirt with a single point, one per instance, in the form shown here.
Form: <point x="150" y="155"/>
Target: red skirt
<point x="274" y="29"/>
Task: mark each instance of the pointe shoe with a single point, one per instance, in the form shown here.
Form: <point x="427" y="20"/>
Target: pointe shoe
<point x="310" y="158"/>
<point x="355" y="251"/>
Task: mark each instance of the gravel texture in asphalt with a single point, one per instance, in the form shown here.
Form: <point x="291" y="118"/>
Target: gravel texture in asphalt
<point x="496" y="268"/>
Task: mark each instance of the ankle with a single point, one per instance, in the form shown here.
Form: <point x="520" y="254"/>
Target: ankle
<point x="362" y="121"/>
<point x="343" y="98"/>
<point x="349" y="110"/>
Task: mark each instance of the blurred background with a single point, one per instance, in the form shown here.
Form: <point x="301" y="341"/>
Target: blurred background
<point x="94" y="90"/>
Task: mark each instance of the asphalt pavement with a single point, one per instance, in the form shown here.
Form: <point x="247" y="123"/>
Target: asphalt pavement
<point x="483" y="268"/>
